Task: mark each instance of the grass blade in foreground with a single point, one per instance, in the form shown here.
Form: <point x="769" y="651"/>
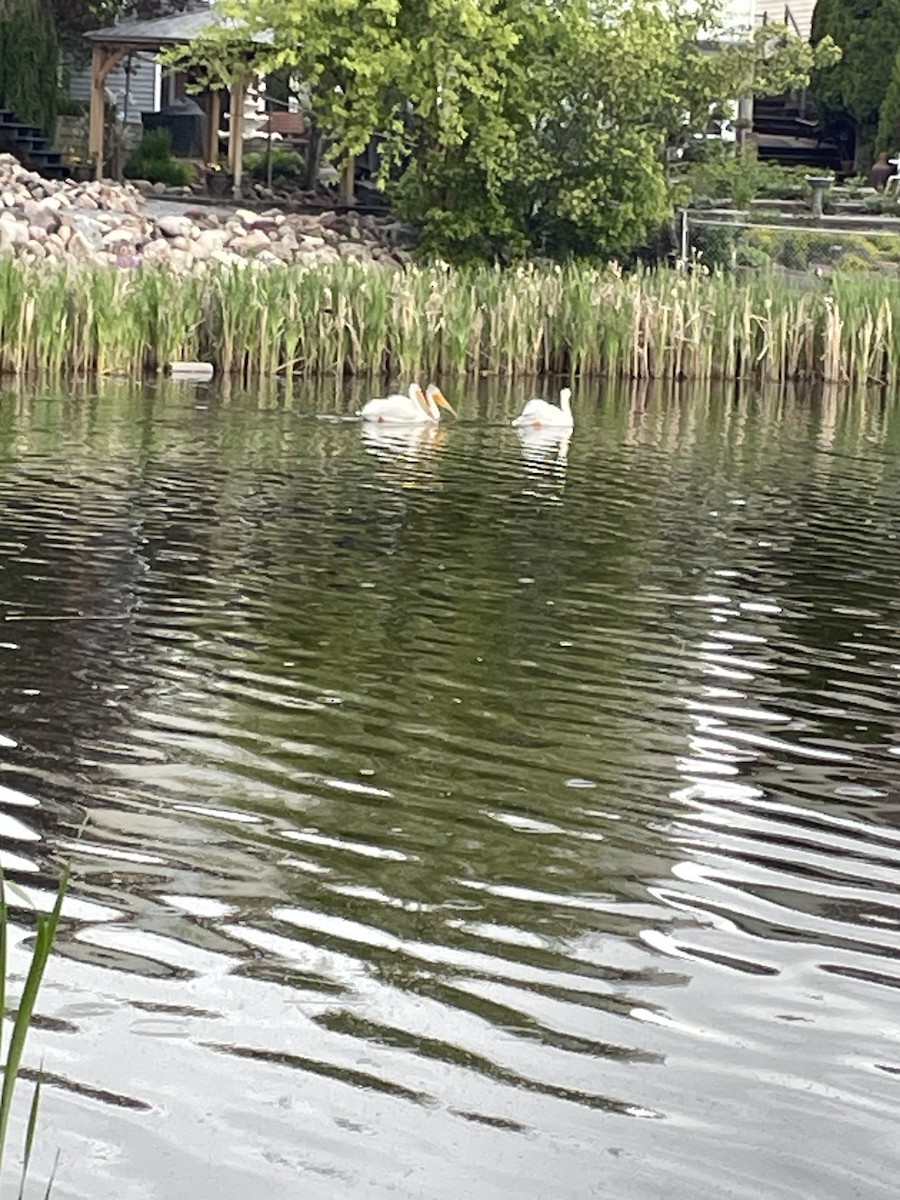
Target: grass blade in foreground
<point x="46" y="933"/>
<point x="29" y="1135"/>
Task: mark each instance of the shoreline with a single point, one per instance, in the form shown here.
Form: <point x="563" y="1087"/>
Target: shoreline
<point x="95" y="280"/>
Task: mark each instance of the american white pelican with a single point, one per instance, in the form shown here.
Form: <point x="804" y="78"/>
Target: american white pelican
<point x="542" y="413"/>
<point x="415" y="408"/>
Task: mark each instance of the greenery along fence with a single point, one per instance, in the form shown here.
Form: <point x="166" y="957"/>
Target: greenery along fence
<point x="762" y="245"/>
<point x="433" y="322"/>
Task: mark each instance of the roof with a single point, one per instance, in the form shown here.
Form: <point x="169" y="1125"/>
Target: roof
<point x="161" y="31"/>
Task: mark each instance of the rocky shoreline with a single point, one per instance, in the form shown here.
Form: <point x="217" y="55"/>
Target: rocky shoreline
<point x="106" y="224"/>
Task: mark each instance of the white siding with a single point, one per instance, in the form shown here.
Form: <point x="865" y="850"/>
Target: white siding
<point x="743" y="14"/>
<point x="801" y="12"/>
<point x="143" y="90"/>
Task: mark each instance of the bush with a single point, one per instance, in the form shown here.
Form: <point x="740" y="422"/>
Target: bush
<point x="741" y="176"/>
<point x="852" y="264"/>
<point x="288" y="167"/>
<point x="752" y="256"/>
<point x="715" y="244"/>
<point x="153" y="161"/>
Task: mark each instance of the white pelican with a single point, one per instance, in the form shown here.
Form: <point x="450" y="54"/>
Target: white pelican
<point x="415" y="408"/>
<point x="540" y="413"/>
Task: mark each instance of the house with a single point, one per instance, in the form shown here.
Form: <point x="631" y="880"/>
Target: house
<point x="135" y="85"/>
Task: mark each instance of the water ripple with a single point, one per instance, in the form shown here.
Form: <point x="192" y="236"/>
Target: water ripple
<point x="457" y="813"/>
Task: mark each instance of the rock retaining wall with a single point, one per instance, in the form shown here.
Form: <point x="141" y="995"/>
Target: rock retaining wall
<point x="106" y="224"/>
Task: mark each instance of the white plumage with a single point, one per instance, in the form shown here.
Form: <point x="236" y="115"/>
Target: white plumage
<point x="415" y="408"/>
<point x="541" y="413"/>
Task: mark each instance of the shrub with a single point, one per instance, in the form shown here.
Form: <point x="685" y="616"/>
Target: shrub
<point x="715" y="244"/>
<point x="739" y="175"/>
<point x="288" y="167"/>
<point x="153" y="161"/>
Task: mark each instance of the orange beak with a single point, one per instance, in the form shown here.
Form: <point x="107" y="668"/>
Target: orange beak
<point x="442" y="402"/>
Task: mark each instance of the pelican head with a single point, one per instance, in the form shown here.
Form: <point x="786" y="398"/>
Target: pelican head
<point x="565" y="395"/>
<point x="436" y="396"/>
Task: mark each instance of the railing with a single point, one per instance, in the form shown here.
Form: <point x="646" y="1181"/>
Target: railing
<point x="789" y="20"/>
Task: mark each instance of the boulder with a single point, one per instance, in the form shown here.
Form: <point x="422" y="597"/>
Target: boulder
<point x="117" y="238"/>
<point x="252" y="242"/>
<point x="208" y="240"/>
<point x="78" y="246"/>
<point x="174" y="226"/>
<point x="40" y="216"/>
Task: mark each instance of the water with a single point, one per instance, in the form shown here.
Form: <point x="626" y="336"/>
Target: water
<point x="456" y="817"/>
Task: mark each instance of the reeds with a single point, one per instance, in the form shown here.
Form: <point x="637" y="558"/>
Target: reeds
<point x="350" y="319"/>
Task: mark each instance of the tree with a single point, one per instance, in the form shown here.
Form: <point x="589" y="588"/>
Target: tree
<point x="888" y="135"/>
<point x="511" y="125"/>
<point x="868" y="35"/>
<point x="74" y="18"/>
<point x="29" y="59"/>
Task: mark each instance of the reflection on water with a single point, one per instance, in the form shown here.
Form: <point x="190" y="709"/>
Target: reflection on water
<point x="454" y="812"/>
<point x="403" y="441"/>
<point x="544" y="444"/>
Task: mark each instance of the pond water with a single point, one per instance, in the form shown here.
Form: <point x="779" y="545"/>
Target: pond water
<point x="456" y="816"/>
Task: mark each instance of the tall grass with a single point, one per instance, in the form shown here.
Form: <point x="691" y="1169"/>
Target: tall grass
<point x="349" y="319"/>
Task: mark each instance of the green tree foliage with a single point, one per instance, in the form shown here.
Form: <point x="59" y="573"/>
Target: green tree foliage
<point x="888" y="135"/>
<point x="29" y="62"/>
<point x="510" y="125"/>
<point x="74" y="18"/>
<point x="868" y="35"/>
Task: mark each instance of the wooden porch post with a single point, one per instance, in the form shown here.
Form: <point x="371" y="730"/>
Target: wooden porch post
<point x="348" y="180"/>
<point x="213" y="120"/>
<point x="236" y="135"/>
<point x="102" y="62"/>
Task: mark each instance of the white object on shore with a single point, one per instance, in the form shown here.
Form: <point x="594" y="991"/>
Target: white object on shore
<point x="194" y="372"/>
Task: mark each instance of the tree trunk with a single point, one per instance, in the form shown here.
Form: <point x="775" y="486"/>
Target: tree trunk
<point x="313" y="157"/>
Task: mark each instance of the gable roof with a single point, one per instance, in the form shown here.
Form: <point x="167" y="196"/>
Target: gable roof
<point x="161" y="31"/>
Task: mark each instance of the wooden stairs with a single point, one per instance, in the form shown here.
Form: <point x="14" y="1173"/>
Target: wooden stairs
<point x="30" y="147"/>
<point x="787" y="130"/>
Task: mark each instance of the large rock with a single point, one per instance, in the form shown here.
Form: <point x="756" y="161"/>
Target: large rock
<point x="251" y="243"/>
<point x="117" y="238"/>
<point x="42" y="213"/>
<point x="173" y="226"/>
<point x="78" y="246"/>
<point x="208" y="240"/>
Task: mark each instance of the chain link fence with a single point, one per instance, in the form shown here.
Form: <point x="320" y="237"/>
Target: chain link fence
<point x="747" y="244"/>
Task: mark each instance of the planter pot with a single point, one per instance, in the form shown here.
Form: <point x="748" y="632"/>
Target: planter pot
<point x="80" y="172"/>
<point x="219" y="183"/>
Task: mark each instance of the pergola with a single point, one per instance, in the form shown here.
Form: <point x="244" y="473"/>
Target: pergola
<point x="111" y="45"/>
